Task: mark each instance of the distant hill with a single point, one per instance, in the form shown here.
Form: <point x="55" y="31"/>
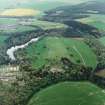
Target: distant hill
<point x="32" y="4"/>
<point x="75" y="11"/>
<point x="69" y="14"/>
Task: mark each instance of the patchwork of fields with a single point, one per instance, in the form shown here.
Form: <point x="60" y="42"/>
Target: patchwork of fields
<point x="67" y="51"/>
<point x="8" y="73"/>
<point x="45" y="25"/>
<point x="54" y="48"/>
<point x="70" y="93"/>
<point x="12" y="26"/>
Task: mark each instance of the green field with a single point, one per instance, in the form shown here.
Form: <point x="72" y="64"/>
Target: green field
<point x="102" y="40"/>
<point x="2" y="39"/>
<point x="13" y="25"/>
<point x="45" y="25"/>
<point x="18" y="29"/>
<point x="70" y="93"/>
<point x="98" y="24"/>
<point x="95" y="20"/>
<point x="52" y="49"/>
<point x="8" y="21"/>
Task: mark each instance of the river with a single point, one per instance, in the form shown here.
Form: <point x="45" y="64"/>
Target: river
<point x="13" y="49"/>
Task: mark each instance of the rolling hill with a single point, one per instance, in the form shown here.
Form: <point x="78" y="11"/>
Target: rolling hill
<point x="52" y="52"/>
<point x="52" y="49"/>
<point x="70" y="93"/>
<point x="77" y="11"/>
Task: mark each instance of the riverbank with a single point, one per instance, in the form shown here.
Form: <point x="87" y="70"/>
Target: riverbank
<point x="13" y="49"/>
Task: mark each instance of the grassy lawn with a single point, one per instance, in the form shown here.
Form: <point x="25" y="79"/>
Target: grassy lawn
<point x="70" y="93"/>
<point x="52" y="49"/>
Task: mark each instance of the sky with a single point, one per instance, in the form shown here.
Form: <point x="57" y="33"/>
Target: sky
<point x="13" y="3"/>
<point x="66" y="1"/>
<point x="24" y="1"/>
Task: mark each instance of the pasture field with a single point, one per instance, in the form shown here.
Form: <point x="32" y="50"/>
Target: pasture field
<point x="95" y="20"/>
<point x="13" y="25"/>
<point x="2" y="39"/>
<point x="102" y="40"/>
<point x="19" y="29"/>
<point x="52" y="49"/>
<point x="8" y="21"/>
<point x="70" y="93"/>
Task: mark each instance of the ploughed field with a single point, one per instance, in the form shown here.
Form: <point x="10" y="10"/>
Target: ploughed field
<point x="50" y="50"/>
<point x="70" y="93"/>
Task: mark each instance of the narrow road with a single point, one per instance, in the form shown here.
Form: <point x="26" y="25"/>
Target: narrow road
<point x="74" y="47"/>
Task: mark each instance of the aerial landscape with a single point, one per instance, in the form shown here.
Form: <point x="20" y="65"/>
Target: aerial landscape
<point x="52" y="52"/>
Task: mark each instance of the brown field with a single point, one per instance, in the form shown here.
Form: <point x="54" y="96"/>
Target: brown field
<point x="101" y="73"/>
<point x="20" y="12"/>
